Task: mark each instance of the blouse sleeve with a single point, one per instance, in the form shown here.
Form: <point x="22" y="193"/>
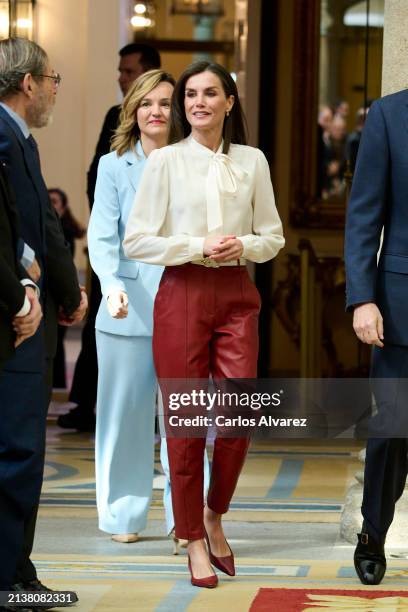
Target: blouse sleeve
<point x="147" y="217"/>
<point x="103" y="234"/>
<point x="267" y="237"/>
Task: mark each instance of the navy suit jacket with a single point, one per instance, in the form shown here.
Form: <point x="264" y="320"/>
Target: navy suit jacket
<point x="102" y="148"/>
<point x="379" y="200"/>
<point x="41" y="230"/>
<point x="12" y="292"/>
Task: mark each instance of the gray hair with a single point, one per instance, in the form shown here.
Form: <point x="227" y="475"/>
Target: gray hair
<point x="19" y="56"/>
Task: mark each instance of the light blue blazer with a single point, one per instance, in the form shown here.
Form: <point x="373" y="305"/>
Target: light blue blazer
<point x="117" y="181"/>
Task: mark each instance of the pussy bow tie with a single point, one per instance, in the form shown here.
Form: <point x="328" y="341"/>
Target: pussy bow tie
<point x="222" y="177"/>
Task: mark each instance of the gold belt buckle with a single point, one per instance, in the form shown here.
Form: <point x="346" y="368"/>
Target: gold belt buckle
<point x="209" y="263"/>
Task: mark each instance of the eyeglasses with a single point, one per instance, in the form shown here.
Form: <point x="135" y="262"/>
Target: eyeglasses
<point x="57" y="78"/>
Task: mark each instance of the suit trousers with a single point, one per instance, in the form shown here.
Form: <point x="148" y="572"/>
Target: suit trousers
<point x="386" y="463"/>
<point x="22" y="447"/>
<point x="205" y="323"/>
<point x="59" y="379"/>
<point x="26" y="570"/>
<point x="85" y="380"/>
<point x="124" y="437"/>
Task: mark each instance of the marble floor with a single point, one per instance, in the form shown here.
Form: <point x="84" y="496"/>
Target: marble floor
<point x="283" y="526"/>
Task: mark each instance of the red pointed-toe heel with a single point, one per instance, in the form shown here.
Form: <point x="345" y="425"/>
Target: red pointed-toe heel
<point x="224" y="564"/>
<point x="209" y="582"/>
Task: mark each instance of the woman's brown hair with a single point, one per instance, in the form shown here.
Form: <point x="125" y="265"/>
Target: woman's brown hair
<point x="234" y="129"/>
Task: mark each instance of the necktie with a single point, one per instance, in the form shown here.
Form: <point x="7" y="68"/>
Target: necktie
<point x="31" y="141"/>
<point x="33" y="145"/>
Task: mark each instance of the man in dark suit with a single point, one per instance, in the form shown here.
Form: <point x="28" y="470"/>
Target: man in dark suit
<point x="135" y="59"/>
<point x="18" y="300"/>
<point x="378" y="294"/>
<point x="28" y="88"/>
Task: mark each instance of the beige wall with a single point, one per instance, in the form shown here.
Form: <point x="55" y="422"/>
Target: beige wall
<point x="81" y="38"/>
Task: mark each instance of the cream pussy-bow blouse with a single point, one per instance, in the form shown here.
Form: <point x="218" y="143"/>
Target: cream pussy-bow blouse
<point x="188" y="192"/>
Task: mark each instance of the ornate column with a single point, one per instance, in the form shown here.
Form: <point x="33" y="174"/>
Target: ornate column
<point x="395" y="46"/>
<point x="394" y="78"/>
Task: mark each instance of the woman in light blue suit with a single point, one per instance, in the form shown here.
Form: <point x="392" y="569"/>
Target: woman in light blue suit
<point x="125" y="414"/>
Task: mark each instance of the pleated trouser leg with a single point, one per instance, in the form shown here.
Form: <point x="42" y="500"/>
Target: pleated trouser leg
<point x="23" y="413"/>
<point x="386" y="463"/>
<point x="124" y="439"/>
<point x="205" y="321"/>
<point x="167" y="502"/>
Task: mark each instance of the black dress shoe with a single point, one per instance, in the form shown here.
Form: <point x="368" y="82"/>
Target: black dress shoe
<point x="31" y="585"/>
<point x="78" y="419"/>
<point x="39" y="587"/>
<point x="369" y="559"/>
<point x="15" y="609"/>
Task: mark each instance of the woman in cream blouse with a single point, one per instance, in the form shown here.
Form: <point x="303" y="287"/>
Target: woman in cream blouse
<point x="204" y="206"/>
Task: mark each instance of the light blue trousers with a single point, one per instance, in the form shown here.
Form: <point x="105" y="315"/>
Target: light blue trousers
<point x="124" y="438"/>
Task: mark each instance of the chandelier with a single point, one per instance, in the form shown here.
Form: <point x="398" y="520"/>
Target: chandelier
<point x="202" y="8"/>
<point x="143" y="17"/>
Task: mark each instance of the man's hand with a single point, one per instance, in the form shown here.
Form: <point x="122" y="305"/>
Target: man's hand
<point x="368" y="324"/>
<point x="77" y="315"/>
<point x="34" y="271"/>
<point x="118" y="304"/>
<point x="25" y="327"/>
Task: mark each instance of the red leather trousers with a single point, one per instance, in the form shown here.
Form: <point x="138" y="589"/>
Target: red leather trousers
<point x="205" y="322"/>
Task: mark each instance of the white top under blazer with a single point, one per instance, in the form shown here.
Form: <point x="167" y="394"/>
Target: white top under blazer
<point x="188" y="192"/>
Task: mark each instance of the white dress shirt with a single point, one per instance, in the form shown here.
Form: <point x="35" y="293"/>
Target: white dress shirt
<point x="26" y="307"/>
<point x="188" y="192"/>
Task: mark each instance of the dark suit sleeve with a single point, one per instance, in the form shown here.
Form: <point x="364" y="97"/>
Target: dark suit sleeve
<point x="5" y="162"/>
<point x="12" y="292"/>
<point x="102" y="148"/>
<point x="4" y="149"/>
<point x="62" y="274"/>
<point x="366" y="209"/>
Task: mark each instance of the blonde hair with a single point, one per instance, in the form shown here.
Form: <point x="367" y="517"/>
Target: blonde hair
<point x="127" y="133"/>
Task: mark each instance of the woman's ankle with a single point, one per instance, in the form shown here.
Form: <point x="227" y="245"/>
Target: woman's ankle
<point x="196" y="544"/>
<point x="210" y="516"/>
